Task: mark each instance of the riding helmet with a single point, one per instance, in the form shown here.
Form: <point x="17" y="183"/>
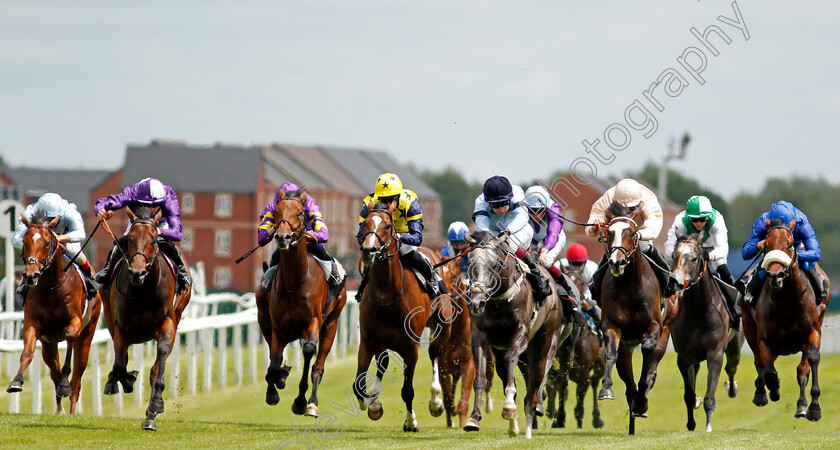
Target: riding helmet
<point x="699" y="206"/>
<point x="457" y="231"/>
<point x="576" y="253"/>
<point x="50" y="204"/>
<point x="497" y="189"/>
<point x="388" y="185"/>
<point x="783" y="211"/>
<point x="628" y="192"/>
<point x="150" y="190"/>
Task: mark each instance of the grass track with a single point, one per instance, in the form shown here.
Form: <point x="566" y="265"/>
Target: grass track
<point x="239" y="417"/>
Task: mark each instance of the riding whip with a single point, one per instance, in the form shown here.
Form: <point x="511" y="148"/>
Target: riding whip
<point x="73" y="259"/>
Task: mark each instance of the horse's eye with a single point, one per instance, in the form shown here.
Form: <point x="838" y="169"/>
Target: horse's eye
<point x="388" y="227"/>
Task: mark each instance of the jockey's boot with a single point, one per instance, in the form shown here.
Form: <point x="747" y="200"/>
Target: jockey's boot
<point x="91" y="286"/>
<point x="539" y="283"/>
<point x="362" y="284"/>
<point x="725" y="274"/>
<point x="731" y="298"/>
<point x="597" y="278"/>
<point x="564" y="291"/>
<point x="667" y="280"/>
<point x="818" y="283"/>
<point x="333" y="271"/>
<point x="434" y="284"/>
<point x="22" y="289"/>
<point x="113" y="256"/>
<point x="752" y="289"/>
<point x="183" y="280"/>
<point x="268" y="274"/>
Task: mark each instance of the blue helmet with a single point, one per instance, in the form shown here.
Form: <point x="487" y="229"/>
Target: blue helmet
<point x="783" y="211"/>
<point x="457" y="231"/>
<point x="497" y="189"/>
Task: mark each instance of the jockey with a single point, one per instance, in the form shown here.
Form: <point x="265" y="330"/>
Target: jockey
<point x="632" y="194"/>
<point x="501" y="207"/>
<point x="805" y="243"/>
<point x="70" y="231"/>
<point x="700" y="218"/>
<point x="408" y="223"/>
<point x="577" y="258"/>
<point x="148" y="192"/>
<point x="316" y="236"/>
<point x="456" y="236"/>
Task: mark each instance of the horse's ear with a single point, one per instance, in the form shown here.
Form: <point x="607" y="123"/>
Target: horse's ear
<point x="54" y="222"/>
<point x="370" y="205"/>
<point x="766" y="223"/>
<point x="302" y="196"/>
<point x="280" y="193"/>
<point x="158" y="214"/>
<point x="792" y="225"/>
<point x="470" y="240"/>
<point x="131" y="216"/>
<point x="24" y="220"/>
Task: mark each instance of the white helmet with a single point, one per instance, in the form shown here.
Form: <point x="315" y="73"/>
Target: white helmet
<point x="628" y="192"/>
<point x="538" y="198"/>
<point x="50" y="204"/>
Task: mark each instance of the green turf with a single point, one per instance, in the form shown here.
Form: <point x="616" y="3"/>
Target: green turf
<point x="239" y="417"/>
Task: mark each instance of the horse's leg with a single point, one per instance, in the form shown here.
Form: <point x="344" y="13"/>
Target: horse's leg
<point x="410" y="360"/>
<point x="814" y="411"/>
<point x="327" y="337"/>
<point x="491" y="365"/>
<point x="612" y="337"/>
<point x="551" y="391"/>
<point x="309" y="347"/>
<point x="595" y="378"/>
<point x="582" y="387"/>
<point x="624" y="367"/>
<point x="157" y="374"/>
<point x="30" y="340"/>
<point x="49" y="351"/>
<point x="360" y="382"/>
<point x="689" y="376"/>
<point x="435" y="403"/>
<point x="119" y="372"/>
<point x="733" y="358"/>
<point x="447" y="386"/>
<point x="479" y="346"/>
<point x="81" y="352"/>
<point x="714" y="361"/>
<point x="468" y="374"/>
<point x="276" y="373"/>
<point x="803" y="371"/>
<point x="650" y="359"/>
<point x="771" y="377"/>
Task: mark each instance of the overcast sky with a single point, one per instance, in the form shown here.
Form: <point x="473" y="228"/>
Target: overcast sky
<point x="490" y="86"/>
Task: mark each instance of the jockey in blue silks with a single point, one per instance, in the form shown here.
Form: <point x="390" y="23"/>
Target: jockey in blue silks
<point x="457" y="243"/>
<point x="804" y="241"/>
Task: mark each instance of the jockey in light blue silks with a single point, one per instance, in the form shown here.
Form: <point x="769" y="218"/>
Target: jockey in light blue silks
<point x="70" y="231"/>
<point x="805" y="243"/>
<point x="456" y="243"/>
<point x="501" y="206"/>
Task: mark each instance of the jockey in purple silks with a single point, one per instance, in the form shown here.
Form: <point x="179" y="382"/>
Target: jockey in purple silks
<point x="316" y="235"/>
<point x="148" y="192"/>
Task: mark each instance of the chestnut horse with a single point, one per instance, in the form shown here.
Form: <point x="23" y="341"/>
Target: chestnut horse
<point x="587" y="369"/>
<point x="54" y="312"/>
<point x="786" y="320"/>
<point x="141" y="305"/>
<point x="296" y="307"/>
<point x="510" y="328"/>
<point x="701" y="329"/>
<point x="393" y="311"/>
<point x="630" y="311"/>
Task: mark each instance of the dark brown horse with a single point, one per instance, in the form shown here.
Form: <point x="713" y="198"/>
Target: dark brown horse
<point x="786" y="320"/>
<point x="701" y="329"/>
<point x="54" y="311"/>
<point x="503" y="321"/>
<point x="587" y="369"/>
<point x="141" y="305"/>
<point x="393" y="311"/>
<point x="630" y="310"/>
<point x="296" y="307"/>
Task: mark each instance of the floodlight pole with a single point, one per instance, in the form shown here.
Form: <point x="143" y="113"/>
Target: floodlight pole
<point x="673" y="153"/>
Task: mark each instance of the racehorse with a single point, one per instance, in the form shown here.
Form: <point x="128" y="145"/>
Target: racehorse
<point x="296" y="306"/>
<point x="504" y="321"/>
<point x="630" y="310"/>
<point x="786" y="320"/>
<point x="587" y="369"/>
<point x="141" y="305"/>
<point x="55" y="311"/>
<point x="393" y="311"/>
<point x="701" y="329"/>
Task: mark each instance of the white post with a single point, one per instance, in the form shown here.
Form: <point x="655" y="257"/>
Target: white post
<point x="118" y="400"/>
<point x="109" y="353"/>
<point x="207" y="373"/>
<point x="191" y="364"/>
<point x="237" y="354"/>
<point x="14" y="402"/>
<point x="222" y="374"/>
<point x="174" y="367"/>
<point x="95" y="387"/>
<point x="297" y="354"/>
<point x="35" y="379"/>
<point x="138" y="385"/>
<point x="342" y="333"/>
<point x="355" y="333"/>
<point x="10" y="270"/>
<point x="252" y="352"/>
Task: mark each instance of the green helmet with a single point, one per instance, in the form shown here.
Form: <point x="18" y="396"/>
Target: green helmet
<point x="699" y="206"/>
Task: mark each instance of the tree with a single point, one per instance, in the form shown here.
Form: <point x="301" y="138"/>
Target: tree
<point x="681" y="187"/>
<point x="457" y="195"/>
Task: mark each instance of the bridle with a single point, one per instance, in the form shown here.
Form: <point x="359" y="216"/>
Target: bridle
<point x="496" y="267"/>
<point x="686" y="284"/>
<point x="627" y="253"/>
<point x="149" y="260"/>
<point x="382" y="253"/>
<point x="45" y="263"/>
<point x="795" y="255"/>
<point x="297" y="233"/>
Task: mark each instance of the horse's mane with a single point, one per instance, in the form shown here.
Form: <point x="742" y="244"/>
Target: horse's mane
<point x="296" y="193"/>
<point x="776" y="223"/>
<point x="483" y="237"/>
<point x="617" y="209"/>
<point x="40" y="218"/>
<point x="379" y="206"/>
<point x="143" y="211"/>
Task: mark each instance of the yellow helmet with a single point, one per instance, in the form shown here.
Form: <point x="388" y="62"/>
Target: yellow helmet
<point x="387" y="185"/>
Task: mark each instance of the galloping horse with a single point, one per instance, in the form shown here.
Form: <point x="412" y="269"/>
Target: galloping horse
<point x="510" y="328"/>
<point x="393" y="311"/>
<point x="587" y="369"/>
<point x="786" y="320"/>
<point x="630" y="313"/>
<point x="55" y="311"/>
<point x="296" y="307"/>
<point x="141" y="305"/>
<point x="701" y="329"/>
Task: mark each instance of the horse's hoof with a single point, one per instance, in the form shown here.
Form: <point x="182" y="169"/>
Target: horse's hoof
<point x="150" y="425"/>
<point x="410" y="427"/>
<point x="63" y="389"/>
<point x="760" y="399"/>
<point x="128" y="382"/>
<point x="814" y="414"/>
<point x="539" y="411"/>
<point x="311" y="410"/>
<point x="472" y="425"/>
<point x="284" y="373"/>
<point x="639" y="408"/>
<point x="598" y="422"/>
<point x="775" y="396"/>
<point x="272" y="398"/>
<point x="111" y="388"/>
<point x="698" y="402"/>
<point x="299" y="406"/>
<point x="800" y="411"/>
<point x="155" y="407"/>
<point x="732" y="388"/>
<point x="640" y="415"/>
<point x="436" y="407"/>
<point x="690" y="426"/>
<point x="15" y="386"/>
<point x="558" y="424"/>
<point x="508" y="413"/>
<point x="375" y="414"/>
<point x="606" y="394"/>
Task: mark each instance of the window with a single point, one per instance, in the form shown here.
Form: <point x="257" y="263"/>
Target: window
<point x="188" y="242"/>
<point x="224" y="205"/>
<point x="222" y="277"/>
<point x="188" y="203"/>
<point x="222" y="247"/>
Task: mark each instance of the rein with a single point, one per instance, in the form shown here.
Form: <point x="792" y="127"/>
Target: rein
<point x="46" y="263"/>
<point x="627" y="253"/>
<point x="383" y="255"/>
<point x="299" y="234"/>
<point x="686" y="284"/>
<point x="793" y="258"/>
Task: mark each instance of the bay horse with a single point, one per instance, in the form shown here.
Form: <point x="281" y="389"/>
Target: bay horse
<point x="296" y="306"/>
<point x="786" y="320"/>
<point x="587" y="370"/>
<point x="630" y="310"/>
<point x="54" y="312"/>
<point x="393" y="311"/>
<point x="700" y="330"/>
<point x="504" y="321"/>
<point x="141" y="305"/>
